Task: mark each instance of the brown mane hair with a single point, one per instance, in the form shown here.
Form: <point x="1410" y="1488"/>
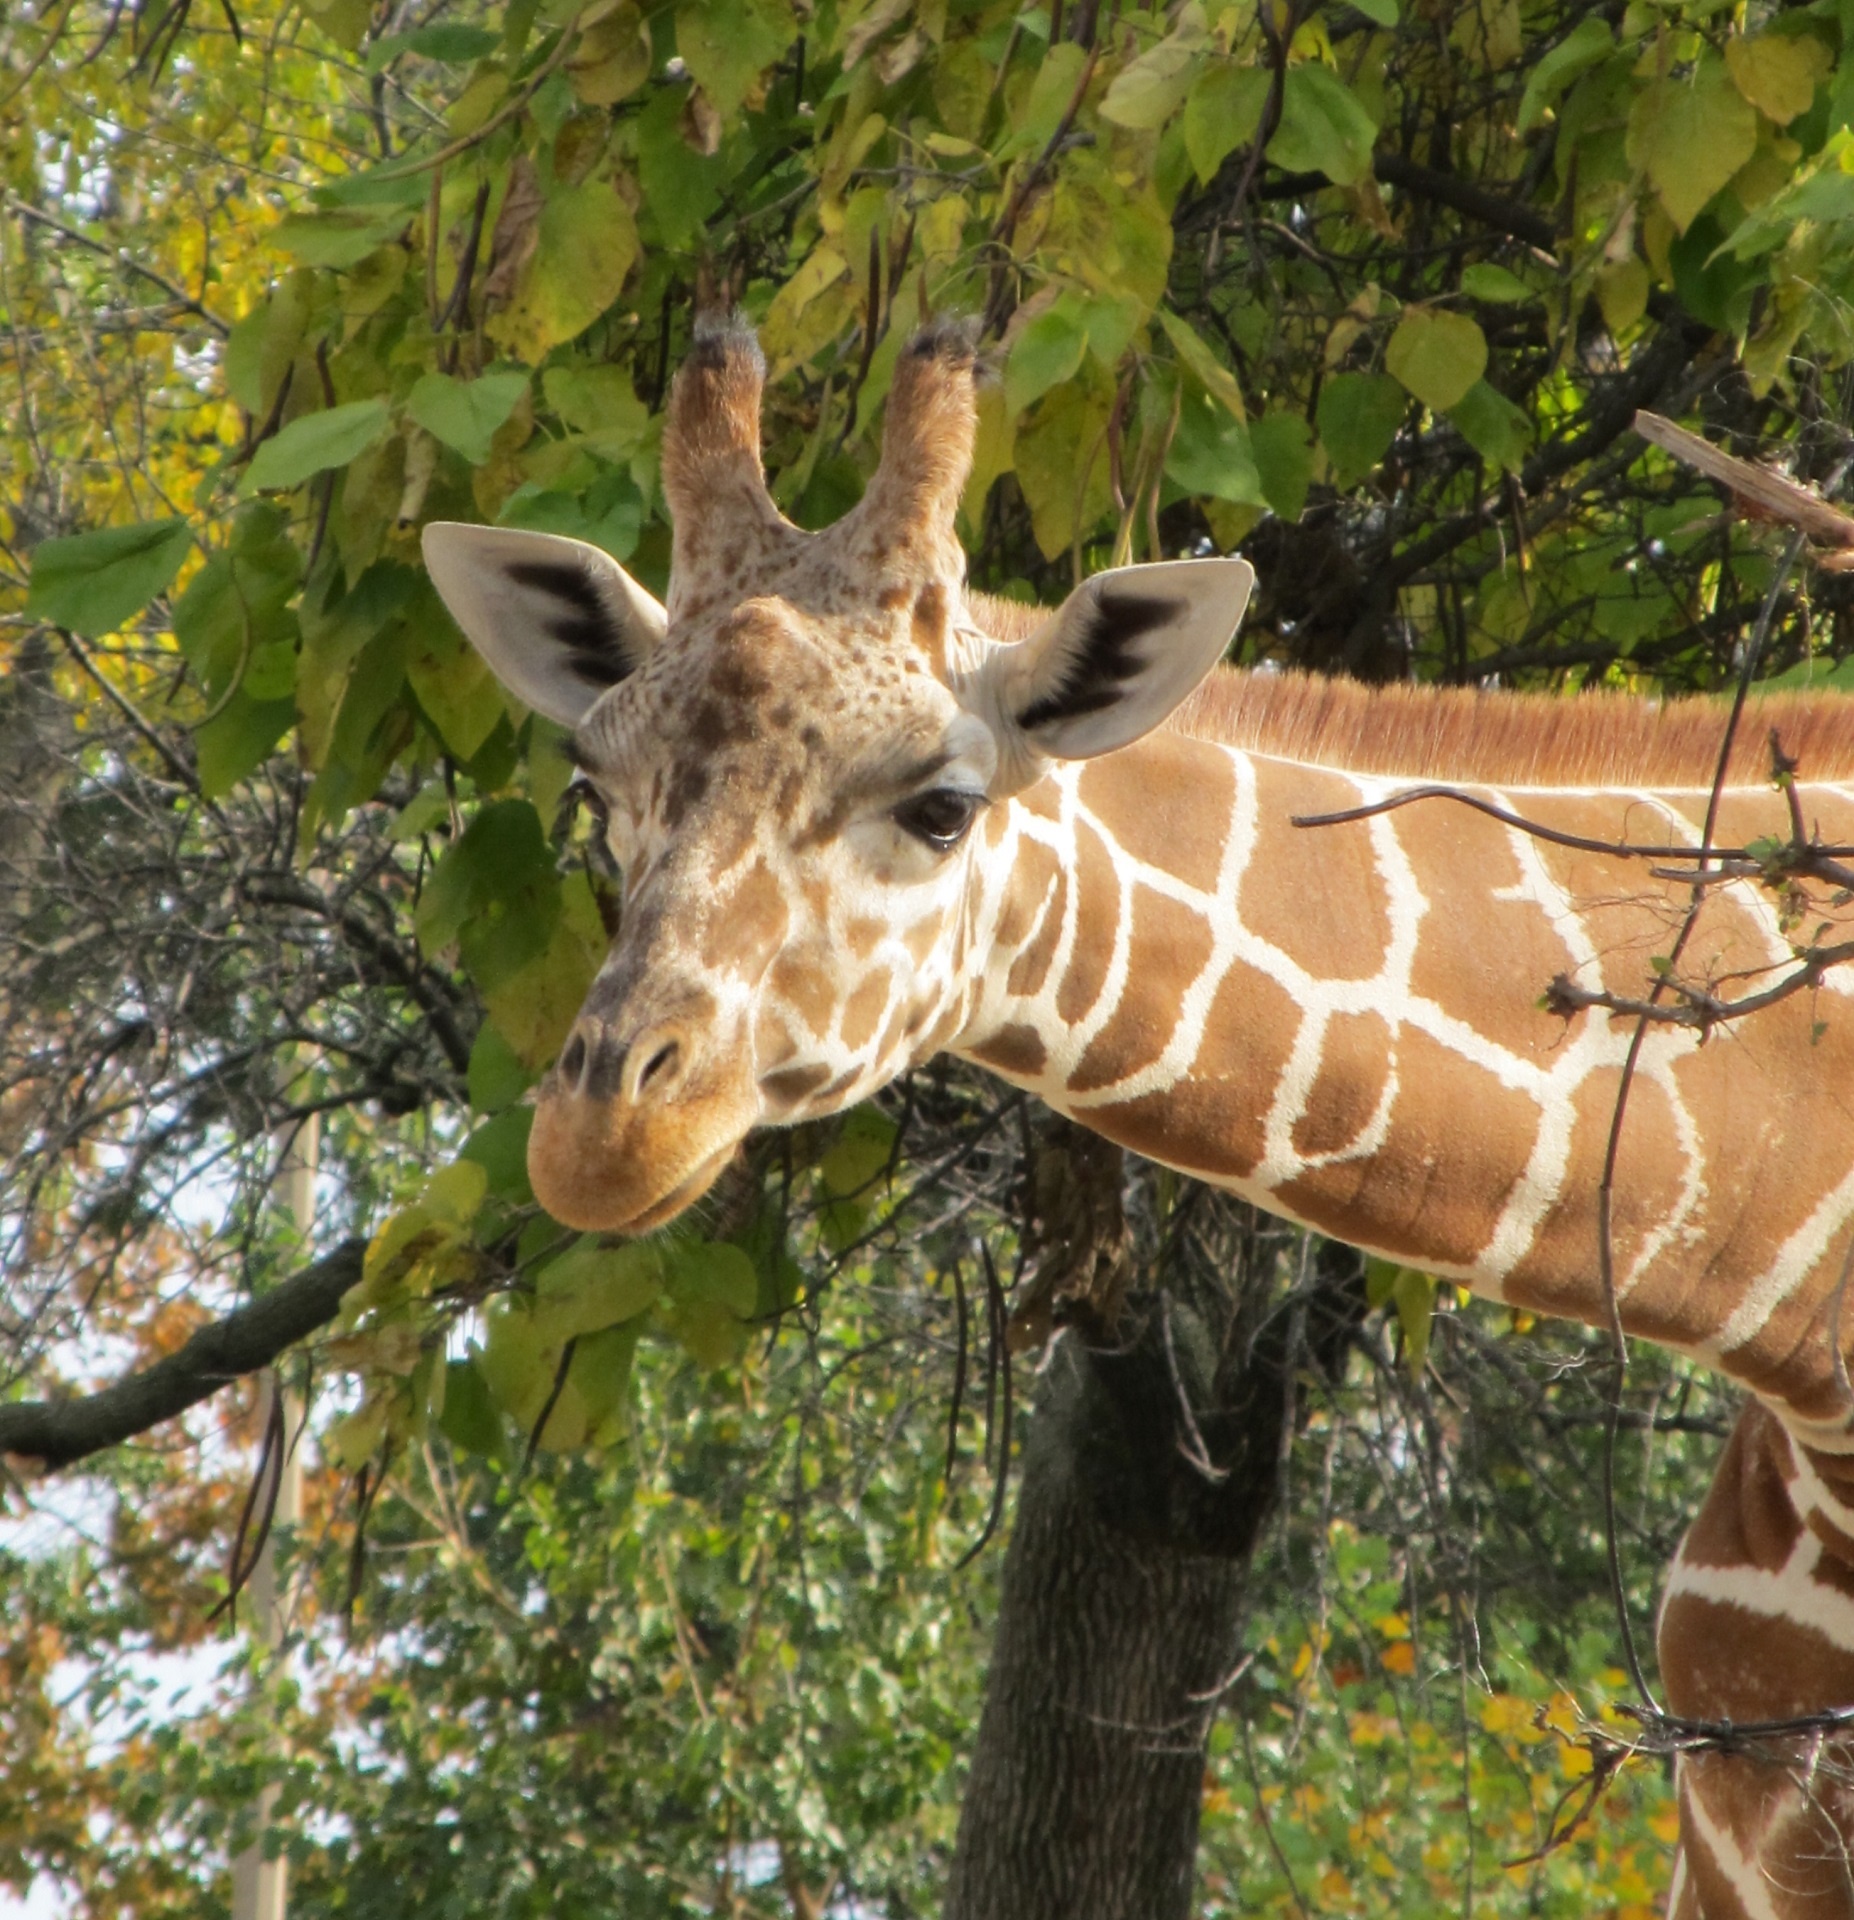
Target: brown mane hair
<point x="1518" y="739"/>
<point x="1503" y="739"/>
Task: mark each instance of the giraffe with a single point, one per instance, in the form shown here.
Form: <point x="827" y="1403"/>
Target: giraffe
<point x="865" y="815"/>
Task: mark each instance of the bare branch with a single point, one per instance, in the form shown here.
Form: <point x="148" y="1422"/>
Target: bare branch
<point x="57" y="1433"/>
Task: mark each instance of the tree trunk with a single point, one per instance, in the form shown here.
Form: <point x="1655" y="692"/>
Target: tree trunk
<point x="1085" y="1787"/>
<point x="1123" y="1599"/>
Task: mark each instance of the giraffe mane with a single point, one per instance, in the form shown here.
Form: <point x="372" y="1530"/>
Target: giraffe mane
<point x="1517" y="739"/>
<point x="1595" y="739"/>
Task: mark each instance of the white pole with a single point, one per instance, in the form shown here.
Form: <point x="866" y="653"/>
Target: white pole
<point x="259" y="1890"/>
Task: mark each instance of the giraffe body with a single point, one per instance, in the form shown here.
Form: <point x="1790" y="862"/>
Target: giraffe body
<point x="865" y="816"/>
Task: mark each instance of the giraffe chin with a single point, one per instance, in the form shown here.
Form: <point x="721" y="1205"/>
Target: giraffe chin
<point x="603" y="1179"/>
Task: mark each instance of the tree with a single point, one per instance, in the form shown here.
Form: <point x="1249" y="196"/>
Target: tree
<point x="1374" y="294"/>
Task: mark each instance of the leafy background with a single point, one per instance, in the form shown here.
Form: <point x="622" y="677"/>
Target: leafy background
<point x="1371" y="291"/>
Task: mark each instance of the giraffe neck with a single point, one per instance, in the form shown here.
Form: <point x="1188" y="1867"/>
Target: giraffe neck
<point x="1343" y="1024"/>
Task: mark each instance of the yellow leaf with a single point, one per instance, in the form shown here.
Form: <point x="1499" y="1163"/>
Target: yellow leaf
<point x="1690" y="137"/>
<point x="1400" y="1657"/>
<point x="1437" y="355"/>
<point x="1622" y="293"/>
<point x="587" y="242"/>
<point x="1778" y="72"/>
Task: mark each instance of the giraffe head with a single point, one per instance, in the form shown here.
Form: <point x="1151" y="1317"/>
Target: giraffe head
<point x="791" y="758"/>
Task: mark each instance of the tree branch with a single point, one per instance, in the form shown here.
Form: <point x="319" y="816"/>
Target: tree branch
<point x="56" y="1433"/>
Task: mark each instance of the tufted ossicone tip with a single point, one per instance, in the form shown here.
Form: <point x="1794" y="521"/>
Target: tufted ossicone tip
<point x="927" y="440"/>
<point x="712" y="477"/>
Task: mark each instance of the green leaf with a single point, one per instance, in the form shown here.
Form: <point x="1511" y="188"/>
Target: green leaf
<point x="1211" y="454"/>
<point x="495" y="893"/>
<point x="315" y="443"/>
<point x="1210" y="372"/>
<point x="500" y="1148"/>
<point x="1437" y="354"/>
<point x="591" y="1287"/>
<point x="97" y="582"/>
<point x="586" y="245"/>
<point x="236" y="605"/>
<point x="1046" y="352"/>
<point x="1414" y="1295"/>
<point x="1282" y="444"/>
<point x="1494" y="284"/>
<point x="238" y="739"/>
<point x="469" y="1420"/>
<point x="728" y="44"/>
<point x="452" y="42"/>
<point x="1498" y="431"/>
<point x="466" y="413"/>
<point x="340" y="237"/>
<point x="1060" y="459"/>
<point x="680" y="186"/>
<point x="1146" y="91"/>
<point x="1324" y="128"/>
<point x="1224" y="112"/>
<point x="1585" y="46"/>
<point x="710" y="1291"/>
<point x="609" y="513"/>
<point x="1691" y="136"/>
<point x="1382" y="13"/>
<point x="1358" y="417"/>
<point x="600" y="403"/>
<point x="601" y="1376"/>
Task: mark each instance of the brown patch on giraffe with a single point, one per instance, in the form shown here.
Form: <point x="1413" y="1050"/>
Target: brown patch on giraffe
<point x="1483" y="961"/>
<point x="863" y="936"/>
<point x="688" y="787"/>
<point x="928" y="625"/>
<point x="1745" y="1662"/>
<point x="789" y="1086"/>
<point x="1035" y="870"/>
<point x="1167" y="807"/>
<point x="1169" y="946"/>
<point x="865" y="1007"/>
<point x="1043" y="798"/>
<point x="1031" y="967"/>
<point x="1354" y="1061"/>
<point x="1596" y="739"/>
<point x="1097" y="888"/>
<point x="1769" y="1102"/>
<point x="1435" y="1189"/>
<point x="1016" y="1049"/>
<point x="922" y="938"/>
<point x="1558" y="1273"/>
<point x="746" y="922"/>
<point x="1319" y="901"/>
<point x="1748" y="1519"/>
<point x="893" y="599"/>
<point x="802" y="985"/>
<point x="1212" y="1121"/>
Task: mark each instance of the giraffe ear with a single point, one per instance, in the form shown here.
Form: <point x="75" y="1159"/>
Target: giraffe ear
<point x="557" y="620"/>
<point x="1120" y="653"/>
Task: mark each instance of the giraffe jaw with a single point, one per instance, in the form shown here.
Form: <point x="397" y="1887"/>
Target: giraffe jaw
<point x="601" y="1171"/>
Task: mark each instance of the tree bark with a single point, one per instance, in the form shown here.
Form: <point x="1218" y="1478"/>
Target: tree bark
<point x="1123" y="1603"/>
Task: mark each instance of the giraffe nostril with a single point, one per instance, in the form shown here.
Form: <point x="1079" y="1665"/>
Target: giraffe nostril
<point x="573" y="1060"/>
<point x="659" y="1063"/>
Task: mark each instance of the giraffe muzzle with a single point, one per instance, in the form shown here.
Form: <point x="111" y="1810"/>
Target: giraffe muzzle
<point x="632" y="1127"/>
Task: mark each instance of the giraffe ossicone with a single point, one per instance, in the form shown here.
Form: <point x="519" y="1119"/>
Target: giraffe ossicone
<point x="865" y="815"/>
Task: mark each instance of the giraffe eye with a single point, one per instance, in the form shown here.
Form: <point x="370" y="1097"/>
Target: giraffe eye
<point x="939" y="817"/>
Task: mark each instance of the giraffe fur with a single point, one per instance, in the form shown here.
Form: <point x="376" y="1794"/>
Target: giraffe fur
<point x="865" y="816"/>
